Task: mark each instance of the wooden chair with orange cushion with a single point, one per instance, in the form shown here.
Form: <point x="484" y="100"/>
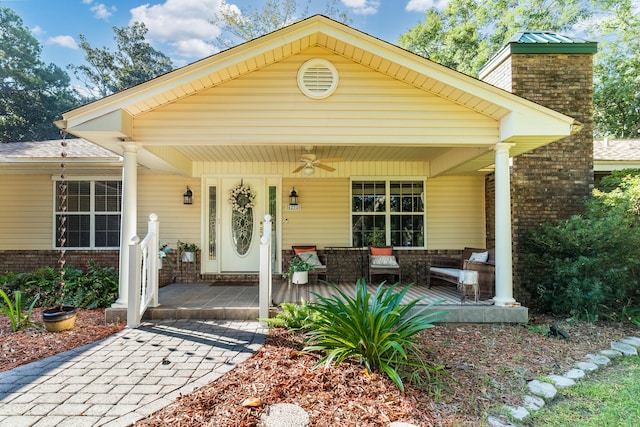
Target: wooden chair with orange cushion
<point x="383" y="261"/>
<point x="309" y="253"/>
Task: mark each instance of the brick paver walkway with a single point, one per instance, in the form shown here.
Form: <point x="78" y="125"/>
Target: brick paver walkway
<point x="127" y="376"/>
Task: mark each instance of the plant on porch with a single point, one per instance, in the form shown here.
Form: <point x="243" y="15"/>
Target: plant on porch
<point x="376" y="328"/>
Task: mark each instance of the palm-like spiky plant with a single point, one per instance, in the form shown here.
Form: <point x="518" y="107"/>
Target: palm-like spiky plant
<point x="377" y="328"/>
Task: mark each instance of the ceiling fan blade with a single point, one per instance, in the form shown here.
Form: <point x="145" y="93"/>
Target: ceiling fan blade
<point x="298" y="169"/>
<point x="332" y="160"/>
<point x="325" y="167"/>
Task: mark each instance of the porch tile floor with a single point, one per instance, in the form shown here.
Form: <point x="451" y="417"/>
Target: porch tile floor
<point x="202" y="301"/>
<point x="127" y="376"/>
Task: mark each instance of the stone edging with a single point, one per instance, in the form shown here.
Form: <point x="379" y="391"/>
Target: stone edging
<point x="541" y="392"/>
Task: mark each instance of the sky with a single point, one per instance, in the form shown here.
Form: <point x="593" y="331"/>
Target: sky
<point x="181" y="29"/>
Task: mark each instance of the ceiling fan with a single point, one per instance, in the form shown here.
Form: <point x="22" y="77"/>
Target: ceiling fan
<point x="310" y="162"/>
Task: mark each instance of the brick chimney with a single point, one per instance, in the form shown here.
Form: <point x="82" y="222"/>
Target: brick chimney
<point x="550" y="182"/>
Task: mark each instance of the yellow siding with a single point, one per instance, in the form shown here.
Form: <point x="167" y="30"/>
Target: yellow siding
<point x="323" y="219"/>
<point x="267" y="107"/>
<point x="455" y="212"/>
<point x="26" y="212"/>
<point x="162" y="195"/>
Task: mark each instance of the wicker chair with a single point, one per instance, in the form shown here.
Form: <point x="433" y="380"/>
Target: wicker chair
<point x="383" y="261"/>
<point x="446" y="269"/>
<point x="309" y="253"/>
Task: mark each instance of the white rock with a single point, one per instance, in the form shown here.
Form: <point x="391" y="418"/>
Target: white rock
<point x="586" y="366"/>
<point x="533" y="403"/>
<point x="626" y="349"/>
<point x="634" y="341"/>
<point x="497" y="422"/>
<point x="599" y="359"/>
<point x="613" y="354"/>
<point x="518" y="413"/>
<point x="542" y="389"/>
<point x="560" y="381"/>
<point x="575" y="374"/>
<point x="285" y="415"/>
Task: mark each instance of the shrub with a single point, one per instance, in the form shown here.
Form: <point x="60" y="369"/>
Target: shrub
<point x="377" y="328"/>
<point x="292" y="316"/>
<point x="13" y="310"/>
<point x="97" y="287"/>
<point x="588" y="266"/>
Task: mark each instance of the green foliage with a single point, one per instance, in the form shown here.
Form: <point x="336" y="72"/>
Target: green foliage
<point x="134" y="61"/>
<point x="297" y="265"/>
<point x="33" y="93"/>
<point x="243" y="25"/>
<point x="589" y="266"/>
<point x="95" y="287"/>
<point x="18" y="319"/>
<point x="467" y="33"/>
<point x="377" y="328"/>
<point x="617" y="72"/>
<point x="292" y="316"/>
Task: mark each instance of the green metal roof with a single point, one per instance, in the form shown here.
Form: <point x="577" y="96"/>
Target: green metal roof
<point x="548" y="42"/>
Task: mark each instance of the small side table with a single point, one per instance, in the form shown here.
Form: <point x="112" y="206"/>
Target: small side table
<point x="468" y="278"/>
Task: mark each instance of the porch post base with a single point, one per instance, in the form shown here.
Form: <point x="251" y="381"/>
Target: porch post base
<point x="504" y="302"/>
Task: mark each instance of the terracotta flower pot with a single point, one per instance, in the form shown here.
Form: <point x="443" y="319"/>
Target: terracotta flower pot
<point x="58" y="320"/>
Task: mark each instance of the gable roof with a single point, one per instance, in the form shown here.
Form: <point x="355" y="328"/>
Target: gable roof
<point x="110" y="121"/>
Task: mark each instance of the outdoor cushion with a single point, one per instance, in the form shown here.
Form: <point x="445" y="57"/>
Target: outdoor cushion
<point x="381" y="251"/>
<point x="311" y="257"/>
<point x="299" y="250"/>
<point x="383" y="261"/>
<point x="479" y="256"/>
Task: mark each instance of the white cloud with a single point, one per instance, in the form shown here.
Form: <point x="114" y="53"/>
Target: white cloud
<point x="87" y="1"/>
<point x="362" y="7"/>
<point x="38" y="30"/>
<point x="100" y="11"/>
<point x="424" y="5"/>
<point x="64" y="41"/>
<point x="183" y="24"/>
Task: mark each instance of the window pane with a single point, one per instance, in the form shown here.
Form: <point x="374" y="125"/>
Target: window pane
<point x="77" y="232"/>
<point x="107" y="233"/>
<point x="368" y="230"/>
<point x="405" y="196"/>
<point x="368" y="196"/>
<point x="78" y="196"/>
<point x="212" y="223"/>
<point x="108" y="196"/>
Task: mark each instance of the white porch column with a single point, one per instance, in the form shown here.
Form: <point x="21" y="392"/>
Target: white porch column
<point x="129" y="217"/>
<point x="504" y="258"/>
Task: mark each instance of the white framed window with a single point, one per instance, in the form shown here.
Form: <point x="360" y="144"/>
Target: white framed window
<point x="388" y="212"/>
<point x="93" y="213"/>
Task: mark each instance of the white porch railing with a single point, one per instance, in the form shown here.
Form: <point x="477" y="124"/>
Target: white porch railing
<point x="143" y="273"/>
<point x="264" y="294"/>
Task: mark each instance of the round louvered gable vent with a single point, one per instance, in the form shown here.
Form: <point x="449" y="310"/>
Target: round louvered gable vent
<point x="317" y="78"/>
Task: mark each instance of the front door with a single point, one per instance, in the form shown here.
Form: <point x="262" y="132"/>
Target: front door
<point x="242" y="208"/>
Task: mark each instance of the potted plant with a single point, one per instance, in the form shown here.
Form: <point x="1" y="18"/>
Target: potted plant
<point x="298" y="271"/>
<point x="60" y="317"/>
<point x="163" y="251"/>
<point x="187" y="251"/>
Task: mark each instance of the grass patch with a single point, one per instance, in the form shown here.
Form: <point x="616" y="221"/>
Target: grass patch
<point x="608" y="398"/>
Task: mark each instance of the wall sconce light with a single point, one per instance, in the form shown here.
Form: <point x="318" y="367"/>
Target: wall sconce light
<point x="187" y="197"/>
<point x="293" y="200"/>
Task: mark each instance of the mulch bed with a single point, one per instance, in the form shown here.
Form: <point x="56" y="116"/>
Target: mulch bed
<point x="486" y="367"/>
<point x="36" y="343"/>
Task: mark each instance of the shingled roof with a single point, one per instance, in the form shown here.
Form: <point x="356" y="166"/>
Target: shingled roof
<point x="77" y="148"/>
<point x="616" y="149"/>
